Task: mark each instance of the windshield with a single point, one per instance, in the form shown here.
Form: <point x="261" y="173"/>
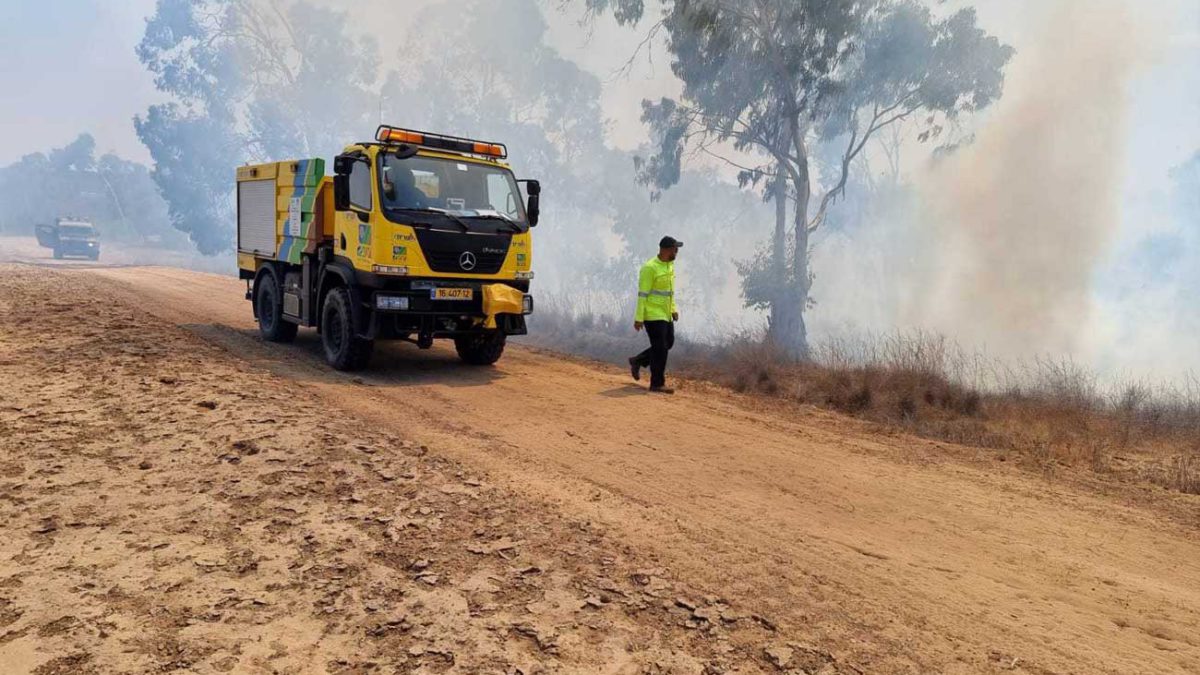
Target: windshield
<point x="464" y="190"/>
<point x="81" y="231"/>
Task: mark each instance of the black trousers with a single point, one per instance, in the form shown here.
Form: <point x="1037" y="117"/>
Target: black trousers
<point x="662" y="339"/>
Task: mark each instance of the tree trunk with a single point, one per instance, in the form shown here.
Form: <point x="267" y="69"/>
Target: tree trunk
<point x="801" y="283"/>
<point x="796" y="340"/>
<point x="779" y="260"/>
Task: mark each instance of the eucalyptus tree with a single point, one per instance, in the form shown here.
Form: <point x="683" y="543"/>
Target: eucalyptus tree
<point x="768" y="79"/>
<point x="246" y="80"/>
<point x="114" y="193"/>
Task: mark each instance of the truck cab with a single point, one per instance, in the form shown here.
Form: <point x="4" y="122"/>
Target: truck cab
<point x="415" y="237"/>
<point x="70" y="237"/>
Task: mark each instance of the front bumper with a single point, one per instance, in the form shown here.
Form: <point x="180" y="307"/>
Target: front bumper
<point x="416" y="309"/>
<point x="71" y="247"/>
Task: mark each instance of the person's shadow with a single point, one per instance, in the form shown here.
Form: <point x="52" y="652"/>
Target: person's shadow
<point x="623" y="391"/>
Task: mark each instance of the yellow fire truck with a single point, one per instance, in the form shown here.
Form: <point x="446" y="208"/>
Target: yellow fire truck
<point x="416" y="236"/>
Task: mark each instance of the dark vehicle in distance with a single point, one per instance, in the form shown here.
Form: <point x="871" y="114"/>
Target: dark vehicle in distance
<point x="70" y="237"/>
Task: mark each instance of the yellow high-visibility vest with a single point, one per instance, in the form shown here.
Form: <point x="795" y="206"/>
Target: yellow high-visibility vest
<point x="656" y="291"/>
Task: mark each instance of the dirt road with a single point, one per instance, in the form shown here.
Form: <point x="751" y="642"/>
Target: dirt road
<point x="885" y="551"/>
<point x="165" y="507"/>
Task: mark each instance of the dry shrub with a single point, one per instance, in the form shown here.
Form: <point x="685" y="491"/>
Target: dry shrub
<point x="1186" y="474"/>
<point x="1181" y="472"/>
<point x="1048" y="412"/>
<point x="908" y="390"/>
<point x="750" y="367"/>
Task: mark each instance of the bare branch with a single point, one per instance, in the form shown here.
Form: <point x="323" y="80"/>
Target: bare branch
<point x="853" y="148"/>
<point x="757" y="169"/>
<point x="625" y="69"/>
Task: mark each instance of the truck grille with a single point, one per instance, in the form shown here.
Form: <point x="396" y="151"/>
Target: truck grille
<point x="450" y="261"/>
<point x="444" y="251"/>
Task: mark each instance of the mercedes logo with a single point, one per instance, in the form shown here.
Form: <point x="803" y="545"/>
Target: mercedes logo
<point x="467" y="261"/>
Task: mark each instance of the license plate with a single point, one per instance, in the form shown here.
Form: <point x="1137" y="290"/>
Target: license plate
<point x="453" y="294"/>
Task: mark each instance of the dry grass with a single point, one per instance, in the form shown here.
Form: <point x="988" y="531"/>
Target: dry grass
<point x="1046" y="413"/>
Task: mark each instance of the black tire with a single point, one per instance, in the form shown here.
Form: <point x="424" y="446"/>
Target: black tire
<point x="344" y="350"/>
<point x="58" y="254"/>
<point x="268" y="304"/>
<point x="481" y="349"/>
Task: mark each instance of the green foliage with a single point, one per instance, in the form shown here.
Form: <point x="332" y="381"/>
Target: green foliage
<point x="192" y="139"/>
<point x="760" y="279"/>
<point x="115" y="194"/>
<point x="625" y="11"/>
<point x="249" y="81"/>
<point x="912" y="61"/>
<point x="755" y="74"/>
<point x="671" y="123"/>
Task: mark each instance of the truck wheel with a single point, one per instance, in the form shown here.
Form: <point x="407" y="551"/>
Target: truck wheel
<point x="481" y="349"/>
<point x="268" y="304"/>
<point x="343" y="349"/>
<point x="94" y="255"/>
<point x="58" y="253"/>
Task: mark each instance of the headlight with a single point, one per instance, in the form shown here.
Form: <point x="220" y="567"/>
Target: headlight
<point x="391" y="302"/>
<point x="527" y="304"/>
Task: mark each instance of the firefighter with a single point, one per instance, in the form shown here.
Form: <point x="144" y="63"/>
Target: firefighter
<point x="656" y="312"/>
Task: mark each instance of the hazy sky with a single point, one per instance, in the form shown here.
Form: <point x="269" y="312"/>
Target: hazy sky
<point x="69" y="66"/>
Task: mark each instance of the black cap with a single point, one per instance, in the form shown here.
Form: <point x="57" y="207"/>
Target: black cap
<point x="670" y="242"/>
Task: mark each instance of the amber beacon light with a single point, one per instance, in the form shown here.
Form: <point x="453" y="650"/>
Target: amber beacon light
<point x="387" y="134"/>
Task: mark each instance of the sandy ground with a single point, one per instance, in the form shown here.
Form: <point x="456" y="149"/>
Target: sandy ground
<point x="272" y="526"/>
<point x="167" y="506"/>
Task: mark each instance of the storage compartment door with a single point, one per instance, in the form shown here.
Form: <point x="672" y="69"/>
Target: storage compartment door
<point x="256" y="217"/>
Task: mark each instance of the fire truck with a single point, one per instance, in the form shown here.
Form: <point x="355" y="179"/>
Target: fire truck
<point x="416" y="236"/>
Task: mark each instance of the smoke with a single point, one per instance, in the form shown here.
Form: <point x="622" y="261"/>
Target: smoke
<point x="1024" y="216"/>
<point x="1001" y="242"/>
<point x="1025" y="240"/>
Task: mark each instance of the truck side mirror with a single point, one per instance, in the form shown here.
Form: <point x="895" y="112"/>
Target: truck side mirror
<point x="342" y="165"/>
<point x="341" y="192"/>
<point x="533" y="207"/>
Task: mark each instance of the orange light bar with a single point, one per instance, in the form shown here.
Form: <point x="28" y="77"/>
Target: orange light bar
<point x="490" y="149"/>
<point x="386" y="134"/>
<point x="399" y="136"/>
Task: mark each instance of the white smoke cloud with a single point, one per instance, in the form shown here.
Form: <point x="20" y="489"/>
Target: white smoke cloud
<point x="1024" y="216"/>
<point x="1017" y="243"/>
